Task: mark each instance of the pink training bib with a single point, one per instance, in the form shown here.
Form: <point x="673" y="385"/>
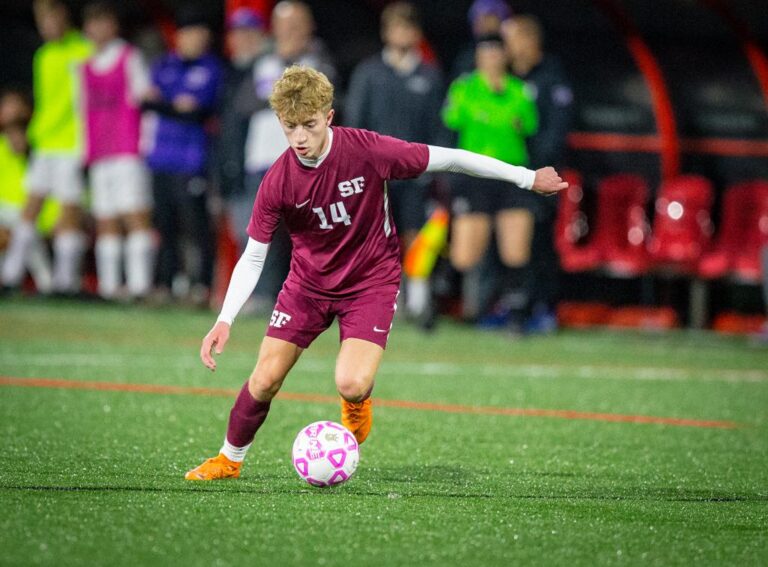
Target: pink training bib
<point x="113" y="121"/>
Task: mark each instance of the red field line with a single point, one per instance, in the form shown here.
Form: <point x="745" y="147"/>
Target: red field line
<point x="402" y="404"/>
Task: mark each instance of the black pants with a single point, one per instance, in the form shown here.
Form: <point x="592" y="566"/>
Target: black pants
<point x="181" y="216"/>
<point x="544" y="281"/>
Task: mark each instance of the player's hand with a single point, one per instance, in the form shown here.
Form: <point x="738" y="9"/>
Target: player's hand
<point x="213" y="343"/>
<point x="153" y="94"/>
<point x="548" y="182"/>
<point x="185" y="103"/>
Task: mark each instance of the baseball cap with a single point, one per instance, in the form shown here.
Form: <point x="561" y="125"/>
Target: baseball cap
<point x="497" y="8"/>
<point x="245" y="18"/>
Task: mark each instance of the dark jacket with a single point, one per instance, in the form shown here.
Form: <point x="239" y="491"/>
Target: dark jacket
<point x="550" y="88"/>
<point x="404" y="106"/>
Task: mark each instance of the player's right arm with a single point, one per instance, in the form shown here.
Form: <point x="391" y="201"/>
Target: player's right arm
<point x="244" y="278"/>
<point x="545" y="181"/>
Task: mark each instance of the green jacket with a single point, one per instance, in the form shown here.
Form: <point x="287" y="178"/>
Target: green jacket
<point x="13" y="197"/>
<point x="56" y="125"/>
<point x="491" y="123"/>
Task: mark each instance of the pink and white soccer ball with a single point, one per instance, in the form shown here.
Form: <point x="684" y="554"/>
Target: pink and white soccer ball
<point x="325" y="453"/>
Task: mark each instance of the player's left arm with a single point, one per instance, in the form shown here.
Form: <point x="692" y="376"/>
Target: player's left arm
<point x="244" y="278"/>
<point x="545" y="181"/>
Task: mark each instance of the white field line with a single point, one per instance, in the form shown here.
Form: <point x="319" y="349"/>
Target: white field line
<point x="440" y="369"/>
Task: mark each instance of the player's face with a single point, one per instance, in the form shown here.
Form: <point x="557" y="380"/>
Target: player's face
<point x="520" y="44"/>
<point x="244" y="43"/>
<point x="308" y="137"/>
<point x="100" y="30"/>
<point x="292" y="28"/>
<point x="401" y="36"/>
<point x="490" y="58"/>
<point x="192" y="41"/>
<point x="52" y="23"/>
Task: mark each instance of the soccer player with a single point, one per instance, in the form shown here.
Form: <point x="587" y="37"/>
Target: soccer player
<point x="329" y="187"/>
<point x="15" y="112"/>
<point x="55" y="163"/>
<point x="115" y="81"/>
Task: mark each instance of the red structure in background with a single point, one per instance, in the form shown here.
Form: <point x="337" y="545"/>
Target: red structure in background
<point x="649" y="67"/>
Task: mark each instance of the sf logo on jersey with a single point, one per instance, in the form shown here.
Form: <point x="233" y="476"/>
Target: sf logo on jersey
<point x="279" y="319"/>
<point x="337" y="212"/>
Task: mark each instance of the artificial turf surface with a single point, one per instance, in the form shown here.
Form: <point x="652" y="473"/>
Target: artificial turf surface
<point x="94" y="476"/>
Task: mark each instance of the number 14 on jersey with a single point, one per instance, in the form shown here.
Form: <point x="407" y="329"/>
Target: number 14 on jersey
<point x="338" y="215"/>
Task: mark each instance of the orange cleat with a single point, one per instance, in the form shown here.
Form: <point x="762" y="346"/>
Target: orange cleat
<point x="357" y="417"/>
<point x="215" y="469"/>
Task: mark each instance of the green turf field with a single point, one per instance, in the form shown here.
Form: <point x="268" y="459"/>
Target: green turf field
<point x="93" y="475"/>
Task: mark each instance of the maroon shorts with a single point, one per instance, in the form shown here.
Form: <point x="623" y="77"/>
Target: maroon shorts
<point x="299" y="319"/>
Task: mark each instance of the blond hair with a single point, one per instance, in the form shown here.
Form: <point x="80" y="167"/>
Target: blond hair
<point x="300" y="93"/>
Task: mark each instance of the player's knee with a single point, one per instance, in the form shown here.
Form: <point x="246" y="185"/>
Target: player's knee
<point x="515" y="258"/>
<point x="463" y="261"/>
<point x="354" y="388"/>
<point x="264" y="385"/>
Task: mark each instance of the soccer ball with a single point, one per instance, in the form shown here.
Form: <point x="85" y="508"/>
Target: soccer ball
<point x="325" y="453"/>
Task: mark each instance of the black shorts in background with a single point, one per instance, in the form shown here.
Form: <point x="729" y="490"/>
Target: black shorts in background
<point x="408" y="203"/>
<point x="489" y="196"/>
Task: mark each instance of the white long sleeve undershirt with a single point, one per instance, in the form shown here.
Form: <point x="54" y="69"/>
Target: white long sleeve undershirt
<point x="248" y="269"/>
<point x="476" y="165"/>
<point x="244" y="278"/>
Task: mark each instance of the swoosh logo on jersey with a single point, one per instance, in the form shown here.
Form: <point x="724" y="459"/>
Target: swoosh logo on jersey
<point x="299" y="205"/>
<point x="377" y="330"/>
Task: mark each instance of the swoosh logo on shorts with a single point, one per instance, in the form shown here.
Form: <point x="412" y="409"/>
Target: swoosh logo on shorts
<point x="377" y="330"/>
<point x="299" y="205"/>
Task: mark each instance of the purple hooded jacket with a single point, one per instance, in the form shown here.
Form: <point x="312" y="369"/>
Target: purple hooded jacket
<point x="176" y="142"/>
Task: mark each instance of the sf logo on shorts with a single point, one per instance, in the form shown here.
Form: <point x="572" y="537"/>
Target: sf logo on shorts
<point x="279" y="319"/>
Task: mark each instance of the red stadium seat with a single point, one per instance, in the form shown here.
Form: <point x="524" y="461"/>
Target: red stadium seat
<point x="681" y="226"/>
<point x="717" y="262"/>
<point x="572" y="228"/>
<point x="743" y="232"/>
<point x="746" y="263"/>
<point x="622" y="230"/>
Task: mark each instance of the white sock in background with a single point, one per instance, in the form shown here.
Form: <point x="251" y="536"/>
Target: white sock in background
<point x="22" y="238"/>
<point x="139" y="262"/>
<point x="39" y="264"/>
<point x="68" y="249"/>
<point x="416" y="295"/>
<point x="108" y="264"/>
<point x="236" y="454"/>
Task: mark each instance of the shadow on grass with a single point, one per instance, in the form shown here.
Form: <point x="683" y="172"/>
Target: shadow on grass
<point x="395" y="492"/>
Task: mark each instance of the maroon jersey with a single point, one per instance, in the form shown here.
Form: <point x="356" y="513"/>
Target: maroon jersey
<point x="344" y="240"/>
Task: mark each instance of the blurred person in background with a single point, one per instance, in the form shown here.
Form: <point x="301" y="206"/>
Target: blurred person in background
<point x="547" y="82"/>
<point x="485" y="18"/>
<point x="246" y="40"/>
<point x="493" y="115"/>
<point x="184" y="93"/>
<point x="56" y="159"/>
<point x="115" y="81"/>
<point x="398" y="94"/>
<point x="294" y="42"/>
<point x="15" y="113"/>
